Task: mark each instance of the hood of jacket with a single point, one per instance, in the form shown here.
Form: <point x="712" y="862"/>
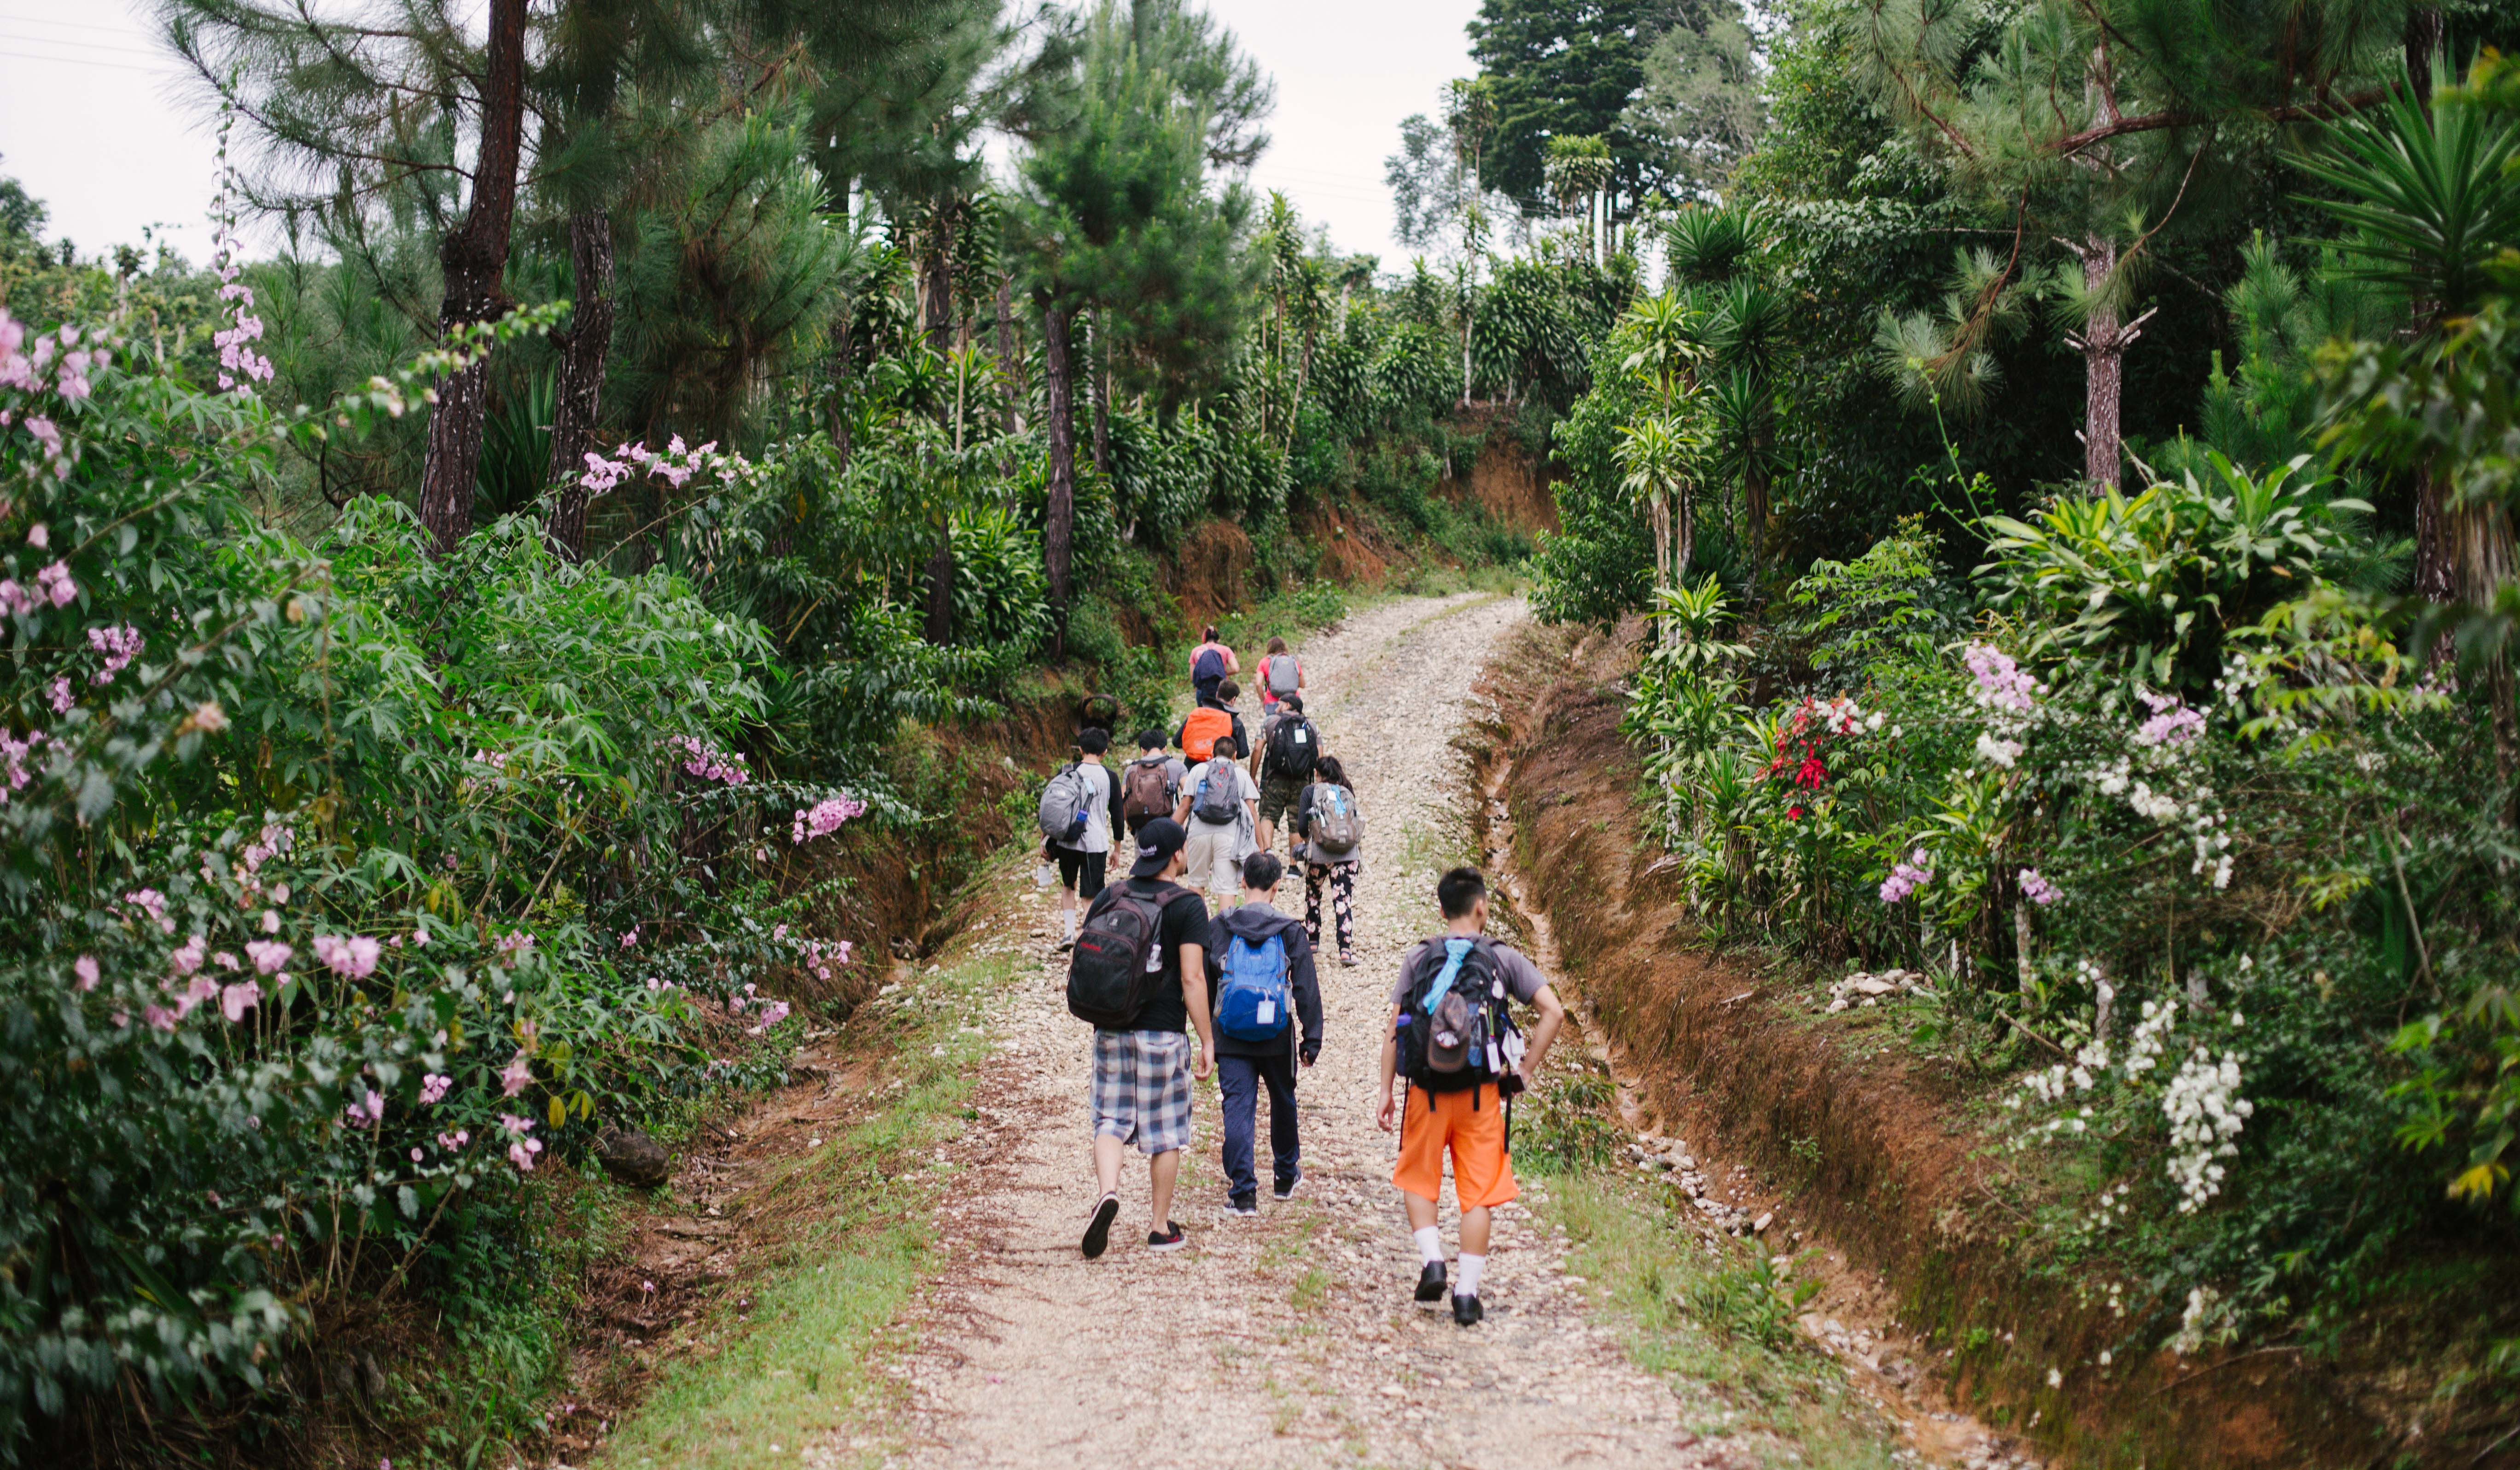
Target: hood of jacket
<point x="1257" y="921"/>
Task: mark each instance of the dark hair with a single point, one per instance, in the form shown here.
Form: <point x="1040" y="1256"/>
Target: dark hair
<point x="1224" y="746"/>
<point x="1327" y="768"/>
<point x="1458" y="890"/>
<point x="1094" y="740"/>
<point x="1208" y="635"/>
<point x="1229" y="691"/>
<point x="1294" y="703"/>
<point x="1151" y="740"/>
<point x="1262" y="871"/>
<point x="1277" y="646"/>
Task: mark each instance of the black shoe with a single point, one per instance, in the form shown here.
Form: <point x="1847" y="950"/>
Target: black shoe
<point x="1430" y="1285"/>
<point x="1286" y="1187"/>
<point x="1466" y="1310"/>
<point x="1169" y="1238"/>
<point x="1242" y="1204"/>
<point x="1097" y="1231"/>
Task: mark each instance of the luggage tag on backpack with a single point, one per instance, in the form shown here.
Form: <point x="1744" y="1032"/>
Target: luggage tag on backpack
<point x="1266" y="1013"/>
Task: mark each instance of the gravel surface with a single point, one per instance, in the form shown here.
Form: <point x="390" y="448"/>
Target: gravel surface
<point x="1290" y="1339"/>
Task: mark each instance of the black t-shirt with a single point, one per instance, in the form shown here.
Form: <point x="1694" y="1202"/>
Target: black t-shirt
<point x="1184" y="922"/>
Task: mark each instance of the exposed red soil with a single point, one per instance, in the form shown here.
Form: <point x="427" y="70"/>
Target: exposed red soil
<point x="1210" y="574"/>
<point x="1507" y="484"/>
<point x="1728" y="1052"/>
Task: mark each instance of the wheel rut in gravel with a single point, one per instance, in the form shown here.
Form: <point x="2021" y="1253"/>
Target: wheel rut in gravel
<point x="1290" y="1339"/>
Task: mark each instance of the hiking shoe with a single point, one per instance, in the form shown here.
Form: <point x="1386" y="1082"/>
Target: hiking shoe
<point x="1169" y="1238"/>
<point x="1466" y="1310"/>
<point x="1347" y="957"/>
<point x="1430" y="1286"/>
<point x="1098" y="1229"/>
<point x="1285" y="1190"/>
<point x="1243" y="1206"/>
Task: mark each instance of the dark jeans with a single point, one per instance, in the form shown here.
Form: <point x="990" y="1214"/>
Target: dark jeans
<point x="1239" y="1079"/>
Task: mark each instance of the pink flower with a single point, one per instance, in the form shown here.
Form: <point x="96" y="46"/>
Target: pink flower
<point x="38" y="537"/>
<point x="60" y="698"/>
<point x="826" y="817"/>
<point x="119" y="644"/>
<point x="268" y="955"/>
<point x="420" y="935"/>
<point x="366" y="1114"/>
<point x="630" y="938"/>
<point x="85" y="968"/>
<point x="522" y="1153"/>
<point x="454" y="1141"/>
<point x="235" y="999"/>
<point x="2171" y="722"/>
<point x="354" y="956"/>
<point x="187" y="956"/>
<point x="270" y="922"/>
<point x="1906" y="877"/>
<point x="2038" y="889"/>
<point x="227" y="962"/>
<point x="159" y="1017"/>
<point x="433" y="1087"/>
<point x="55" y="583"/>
<point x="513" y="1126"/>
<point x="518" y="1075"/>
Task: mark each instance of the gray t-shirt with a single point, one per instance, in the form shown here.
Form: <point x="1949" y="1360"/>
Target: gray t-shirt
<point x="1522" y="978"/>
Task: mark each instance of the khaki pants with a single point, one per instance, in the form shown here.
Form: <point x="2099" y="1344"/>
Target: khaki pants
<point x="1213" y="860"/>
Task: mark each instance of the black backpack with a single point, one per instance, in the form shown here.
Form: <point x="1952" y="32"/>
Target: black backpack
<point x="1452" y="1029"/>
<point x="1117" y="956"/>
<point x="1293" y="743"/>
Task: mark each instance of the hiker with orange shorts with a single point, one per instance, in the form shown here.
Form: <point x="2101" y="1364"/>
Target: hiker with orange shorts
<point x="1451" y="1041"/>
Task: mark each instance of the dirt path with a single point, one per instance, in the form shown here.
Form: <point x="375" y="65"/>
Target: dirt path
<point x="1290" y="1339"/>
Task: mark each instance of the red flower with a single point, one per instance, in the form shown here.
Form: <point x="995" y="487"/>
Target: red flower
<point x="1793" y="814"/>
<point x="1812" y="773"/>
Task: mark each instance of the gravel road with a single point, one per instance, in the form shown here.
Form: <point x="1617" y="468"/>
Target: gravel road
<point x="1290" y="1339"/>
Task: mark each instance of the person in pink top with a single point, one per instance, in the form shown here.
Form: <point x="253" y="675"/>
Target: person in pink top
<point x="1280" y="673"/>
<point x="1209" y="664"/>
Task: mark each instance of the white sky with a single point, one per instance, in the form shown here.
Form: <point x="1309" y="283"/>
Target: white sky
<point x="92" y="120"/>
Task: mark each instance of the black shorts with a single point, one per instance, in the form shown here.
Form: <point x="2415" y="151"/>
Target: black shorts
<point x="1082" y="872"/>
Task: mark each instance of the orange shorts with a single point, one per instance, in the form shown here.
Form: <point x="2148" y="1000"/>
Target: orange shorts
<point x="1432" y="1123"/>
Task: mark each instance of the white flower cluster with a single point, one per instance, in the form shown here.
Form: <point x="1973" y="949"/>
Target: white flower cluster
<point x="2196" y="1319"/>
<point x="2011" y="698"/>
<point x="2159" y="779"/>
<point x="1843" y="717"/>
<point x="2206" y="1113"/>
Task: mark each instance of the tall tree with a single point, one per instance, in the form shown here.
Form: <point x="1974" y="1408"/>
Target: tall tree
<point x="1698" y="110"/>
<point x="2098" y="124"/>
<point x="1115" y="210"/>
<point x="1562" y="71"/>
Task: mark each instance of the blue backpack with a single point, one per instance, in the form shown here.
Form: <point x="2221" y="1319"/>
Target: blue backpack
<point x="1251" y="1004"/>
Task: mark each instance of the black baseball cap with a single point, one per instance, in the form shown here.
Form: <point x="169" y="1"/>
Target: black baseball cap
<point x="1157" y="841"/>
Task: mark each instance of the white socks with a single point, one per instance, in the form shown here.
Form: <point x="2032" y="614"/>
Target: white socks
<point x="1469" y="1284"/>
<point x="1430" y="1245"/>
<point x="1067" y="923"/>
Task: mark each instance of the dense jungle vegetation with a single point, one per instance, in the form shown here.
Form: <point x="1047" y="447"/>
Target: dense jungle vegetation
<point x="2064" y="450"/>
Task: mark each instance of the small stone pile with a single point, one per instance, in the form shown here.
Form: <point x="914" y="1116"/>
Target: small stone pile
<point x="1866" y="989"/>
<point x="1655" y="1154"/>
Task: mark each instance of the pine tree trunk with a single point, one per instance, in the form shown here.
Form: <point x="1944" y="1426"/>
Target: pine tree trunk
<point x="1684" y="535"/>
<point x="2103" y="370"/>
<point x="936" y="279"/>
<point x="584" y="347"/>
<point x="941" y="586"/>
<point x="1058" y="522"/>
<point x="1009" y="366"/>
<point x="474" y="258"/>
<point x="1754" y="490"/>
<point x="1102" y="391"/>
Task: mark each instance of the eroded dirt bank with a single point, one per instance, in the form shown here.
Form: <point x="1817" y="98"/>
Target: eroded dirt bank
<point x="1840" y="1136"/>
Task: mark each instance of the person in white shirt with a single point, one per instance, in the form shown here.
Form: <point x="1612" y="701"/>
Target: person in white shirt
<point x="1216" y="847"/>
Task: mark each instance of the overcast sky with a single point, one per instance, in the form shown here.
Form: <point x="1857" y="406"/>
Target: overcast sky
<point x="92" y="120"/>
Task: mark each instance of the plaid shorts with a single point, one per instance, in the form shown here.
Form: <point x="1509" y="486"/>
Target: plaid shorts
<point x="1141" y="1089"/>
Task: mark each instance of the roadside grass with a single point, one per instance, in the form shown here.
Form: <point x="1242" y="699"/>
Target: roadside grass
<point x="795" y="1356"/>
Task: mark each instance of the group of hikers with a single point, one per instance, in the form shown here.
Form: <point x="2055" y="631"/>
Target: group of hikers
<point x="1149" y="965"/>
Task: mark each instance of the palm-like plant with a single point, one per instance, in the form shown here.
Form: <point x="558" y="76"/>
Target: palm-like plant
<point x="1656" y="455"/>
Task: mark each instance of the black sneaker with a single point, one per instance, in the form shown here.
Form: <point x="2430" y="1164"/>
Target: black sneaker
<point x="1430" y="1286"/>
<point x="1242" y="1205"/>
<point x="1466" y="1310"/>
<point x="1285" y="1190"/>
<point x="1169" y="1238"/>
<point x="1098" y="1229"/>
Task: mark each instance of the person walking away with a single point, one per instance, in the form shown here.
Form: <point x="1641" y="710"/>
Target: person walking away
<point x="1267" y="1003"/>
<point x="1218" y="804"/>
<point x="1289" y="745"/>
<point x="1279" y="674"/>
<point x="1203" y="725"/>
<point x="1329" y="841"/>
<point x="1451" y="1041"/>
<point x="1150" y="784"/>
<point x="1209" y="664"/>
<point x="1139" y="975"/>
<point x="1080" y="821"/>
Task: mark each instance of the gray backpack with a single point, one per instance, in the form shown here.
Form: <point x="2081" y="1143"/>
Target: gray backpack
<point x="1285" y="676"/>
<point x="1220" y="794"/>
<point x="1066" y="805"/>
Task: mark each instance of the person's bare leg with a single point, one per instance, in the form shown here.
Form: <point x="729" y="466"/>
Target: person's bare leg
<point x="1474" y="1227"/>
<point x="1266" y="836"/>
<point x="1421" y="1210"/>
<point x="1106" y="1162"/>
<point x="1165" y="1168"/>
